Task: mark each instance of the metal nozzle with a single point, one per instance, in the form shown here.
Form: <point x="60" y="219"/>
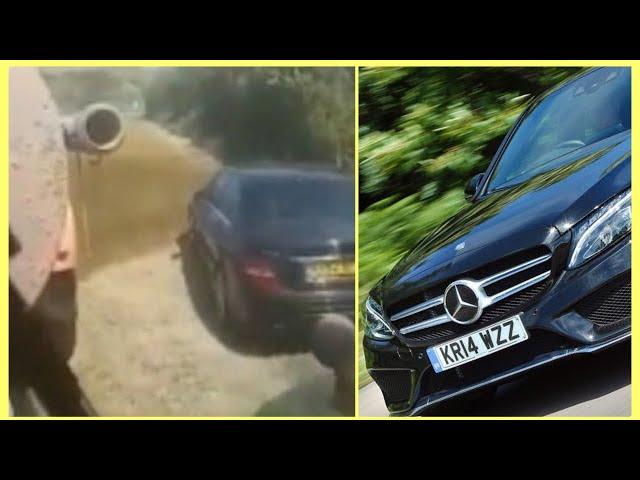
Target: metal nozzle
<point x="97" y="129"/>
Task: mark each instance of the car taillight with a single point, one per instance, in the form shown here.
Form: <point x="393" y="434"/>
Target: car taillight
<point x="262" y="275"/>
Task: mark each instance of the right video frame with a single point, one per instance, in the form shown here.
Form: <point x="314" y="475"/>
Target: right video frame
<point x="495" y="241"/>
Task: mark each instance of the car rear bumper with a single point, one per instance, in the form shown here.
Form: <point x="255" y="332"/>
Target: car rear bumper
<point x="300" y="309"/>
<point x="319" y="302"/>
<point x="584" y="311"/>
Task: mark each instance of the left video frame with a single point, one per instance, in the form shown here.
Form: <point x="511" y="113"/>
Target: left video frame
<point x="182" y="241"/>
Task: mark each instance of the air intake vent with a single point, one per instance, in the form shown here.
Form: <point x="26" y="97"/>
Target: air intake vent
<point x="394" y="383"/>
<point x="610" y="305"/>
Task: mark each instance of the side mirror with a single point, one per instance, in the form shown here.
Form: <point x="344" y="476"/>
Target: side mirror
<point x="471" y="187"/>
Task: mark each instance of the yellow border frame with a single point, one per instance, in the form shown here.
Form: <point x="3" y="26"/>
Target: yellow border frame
<point x="5" y="65"/>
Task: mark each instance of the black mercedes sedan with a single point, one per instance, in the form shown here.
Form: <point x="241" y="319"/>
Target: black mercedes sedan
<point x="278" y="244"/>
<point x="537" y="266"/>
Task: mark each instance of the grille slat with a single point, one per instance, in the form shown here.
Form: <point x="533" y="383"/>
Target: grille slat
<point x="510" y="306"/>
<point x="510" y="284"/>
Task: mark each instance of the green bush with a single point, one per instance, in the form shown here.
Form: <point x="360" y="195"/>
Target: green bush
<point x="300" y="115"/>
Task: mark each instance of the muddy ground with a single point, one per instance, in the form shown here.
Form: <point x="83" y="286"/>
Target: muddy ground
<point x="144" y="349"/>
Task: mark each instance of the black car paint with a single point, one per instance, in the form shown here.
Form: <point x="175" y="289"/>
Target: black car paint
<point x="553" y="315"/>
<point x="539" y="211"/>
<point x="532" y="213"/>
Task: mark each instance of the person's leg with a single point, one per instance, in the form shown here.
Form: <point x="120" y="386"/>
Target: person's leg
<point x="332" y="343"/>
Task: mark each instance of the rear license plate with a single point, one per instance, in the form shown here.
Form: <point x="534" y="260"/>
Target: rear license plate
<point x="477" y="344"/>
<point x="323" y="272"/>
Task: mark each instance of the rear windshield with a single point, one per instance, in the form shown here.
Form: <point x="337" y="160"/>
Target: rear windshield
<point x="283" y="199"/>
<point x="587" y="110"/>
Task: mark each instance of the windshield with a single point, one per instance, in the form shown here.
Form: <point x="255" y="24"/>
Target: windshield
<point x="592" y="108"/>
<point x="285" y="199"/>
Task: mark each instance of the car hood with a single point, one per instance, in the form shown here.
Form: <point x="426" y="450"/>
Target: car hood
<point x="523" y="216"/>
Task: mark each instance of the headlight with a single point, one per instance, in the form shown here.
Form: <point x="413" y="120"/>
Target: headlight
<point x="376" y="326"/>
<point x="601" y="229"/>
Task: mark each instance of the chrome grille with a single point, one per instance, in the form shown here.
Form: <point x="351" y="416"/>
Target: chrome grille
<point x="516" y="303"/>
<point x="518" y="274"/>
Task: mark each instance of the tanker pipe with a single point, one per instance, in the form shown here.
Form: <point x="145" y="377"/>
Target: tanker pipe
<point x="96" y="129"/>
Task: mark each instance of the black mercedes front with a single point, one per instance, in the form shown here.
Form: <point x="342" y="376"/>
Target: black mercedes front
<point x="536" y="268"/>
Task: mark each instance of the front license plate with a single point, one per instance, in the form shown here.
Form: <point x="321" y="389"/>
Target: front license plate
<point x="477" y="344"/>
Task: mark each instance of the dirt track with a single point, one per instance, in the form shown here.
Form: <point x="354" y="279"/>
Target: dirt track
<point x="142" y="348"/>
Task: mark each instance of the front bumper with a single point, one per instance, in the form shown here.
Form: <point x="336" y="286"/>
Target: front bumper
<point x="557" y="330"/>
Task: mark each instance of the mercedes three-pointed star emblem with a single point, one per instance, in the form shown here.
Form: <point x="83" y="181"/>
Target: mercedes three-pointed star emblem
<point x="462" y="302"/>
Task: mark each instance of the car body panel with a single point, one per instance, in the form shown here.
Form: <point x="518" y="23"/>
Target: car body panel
<point x="287" y="245"/>
<point x="517" y="218"/>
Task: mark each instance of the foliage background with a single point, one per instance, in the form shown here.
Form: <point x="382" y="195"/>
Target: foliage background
<point x="238" y="114"/>
<point x="423" y="133"/>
